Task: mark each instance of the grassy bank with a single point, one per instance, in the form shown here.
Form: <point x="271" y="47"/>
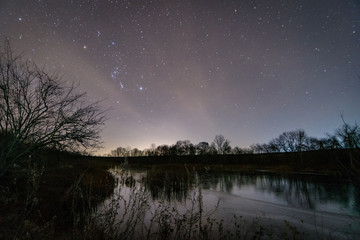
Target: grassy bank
<point x="49" y="197"/>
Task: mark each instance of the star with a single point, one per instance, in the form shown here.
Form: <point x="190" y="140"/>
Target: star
<point x="198" y="56"/>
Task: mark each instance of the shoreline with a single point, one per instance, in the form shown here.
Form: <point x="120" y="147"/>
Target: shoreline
<point x="324" y="162"/>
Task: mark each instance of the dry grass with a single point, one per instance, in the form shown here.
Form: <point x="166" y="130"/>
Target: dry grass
<point x="45" y="199"/>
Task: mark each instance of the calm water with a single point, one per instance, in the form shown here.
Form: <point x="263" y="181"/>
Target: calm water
<point x="330" y="205"/>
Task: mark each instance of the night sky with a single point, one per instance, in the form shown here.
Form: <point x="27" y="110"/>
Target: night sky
<point x="191" y="69"/>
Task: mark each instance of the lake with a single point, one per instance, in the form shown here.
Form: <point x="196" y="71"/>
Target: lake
<point x="178" y="202"/>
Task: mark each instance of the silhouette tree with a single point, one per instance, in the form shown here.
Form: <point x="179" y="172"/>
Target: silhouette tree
<point x="292" y="141"/>
<point x="38" y="110"/>
<point x="202" y="148"/>
<point x="119" y="152"/>
<point x="226" y="148"/>
<point x="152" y="150"/>
<point x="257" y="148"/>
<point x="348" y="135"/>
<point x="219" y="140"/>
<point x="163" y="150"/>
<point x="136" y="152"/>
<point x="221" y="144"/>
<point x="183" y="147"/>
<point x="239" y="150"/>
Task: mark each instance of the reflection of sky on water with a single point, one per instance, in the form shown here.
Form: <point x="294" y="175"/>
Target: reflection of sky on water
<point x="306" y="202"/>
<point x="250" y="192"/>
<point x="307" y="192"/>
<point x="319" y="194"/>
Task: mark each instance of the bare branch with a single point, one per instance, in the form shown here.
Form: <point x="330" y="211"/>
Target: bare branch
<point x="38" y="110"/>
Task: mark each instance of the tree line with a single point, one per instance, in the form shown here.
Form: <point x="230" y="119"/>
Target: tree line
<point x="220" y="145"/>
<point x="345" y="137"/>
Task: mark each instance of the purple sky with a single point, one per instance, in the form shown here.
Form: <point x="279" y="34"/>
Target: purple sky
<point x="177" y="70"/>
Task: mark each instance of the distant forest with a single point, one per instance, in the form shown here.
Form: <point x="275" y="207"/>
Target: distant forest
<point x="345" y="137"/>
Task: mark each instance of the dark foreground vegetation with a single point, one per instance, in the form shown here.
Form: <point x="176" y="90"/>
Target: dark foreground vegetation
<point x="50" y="195"/>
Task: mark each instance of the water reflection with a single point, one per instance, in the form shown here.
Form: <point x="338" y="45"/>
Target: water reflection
<point x="309" y="192"/>
<point x="169" y="184"/>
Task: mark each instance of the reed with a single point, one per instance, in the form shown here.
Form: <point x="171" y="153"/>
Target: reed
<point x="132" y="213"/>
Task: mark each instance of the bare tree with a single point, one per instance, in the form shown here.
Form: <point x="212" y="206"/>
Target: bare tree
<point x="38" y="110"/>
<point x="348" y="135"/>
<point x="226" y="148"/>
<point x="221" y="144"/>
<point x="292" y="141"/>
<point x="152" y="150"/>
<point x="120" y="152"/>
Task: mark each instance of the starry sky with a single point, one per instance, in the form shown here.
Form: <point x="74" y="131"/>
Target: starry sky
<point x="190" y="69"/>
